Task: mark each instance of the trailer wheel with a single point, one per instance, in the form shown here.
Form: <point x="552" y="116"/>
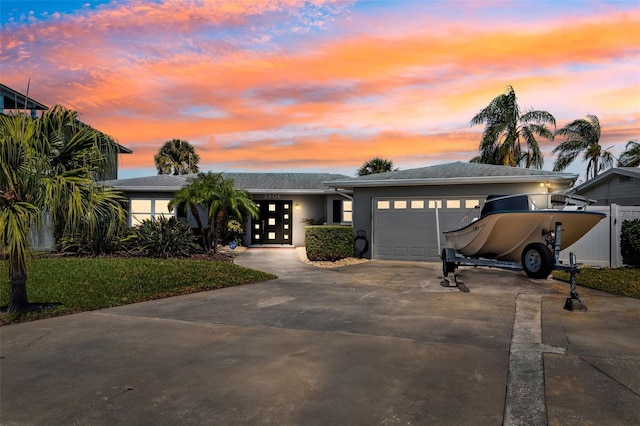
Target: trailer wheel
<point x="537" y="260"/>
<point x="447" y="267"/>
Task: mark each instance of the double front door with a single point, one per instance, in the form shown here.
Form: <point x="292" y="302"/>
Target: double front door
<point x="273" y="226"/>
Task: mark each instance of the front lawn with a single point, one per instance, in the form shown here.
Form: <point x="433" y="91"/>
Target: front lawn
<point x="622" y="281"/>
<point x="69" y="285"/>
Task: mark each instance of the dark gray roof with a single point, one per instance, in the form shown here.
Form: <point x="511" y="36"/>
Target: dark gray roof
<point x="252" y="182"/>
<point x="608" y="174"/>
<point x="13" y="99"/>
<point x="283" y="181"/>
<point x="162" y="183"/>
<point x="452" y="173"/>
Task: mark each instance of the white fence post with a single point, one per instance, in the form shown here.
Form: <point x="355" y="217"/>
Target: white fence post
<point x="614" y="250"/>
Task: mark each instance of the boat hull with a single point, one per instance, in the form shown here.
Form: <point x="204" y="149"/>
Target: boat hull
<point x="504" y="235"/>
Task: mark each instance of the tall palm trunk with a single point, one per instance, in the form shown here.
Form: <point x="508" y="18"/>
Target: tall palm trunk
<point x="18" y="286"/>
<point x="222" y="214"/>
<point x="206" y="241"/>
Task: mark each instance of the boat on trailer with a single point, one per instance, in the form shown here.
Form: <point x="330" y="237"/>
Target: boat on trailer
<point x="521" y="231"/>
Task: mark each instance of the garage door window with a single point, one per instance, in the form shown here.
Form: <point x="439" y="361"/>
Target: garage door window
<point x="400" y="204"/>
<point x="453" y="204"/>
<point x="383" y="205"/>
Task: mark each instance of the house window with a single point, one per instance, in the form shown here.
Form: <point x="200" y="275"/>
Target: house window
<point x="342" y="211"/>
<point x="162" y="208"/>
<point x="145" y="209"/>
<point x="347" y="211"/>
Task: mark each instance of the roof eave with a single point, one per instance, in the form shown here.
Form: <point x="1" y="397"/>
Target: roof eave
<point x="603" y="177"/>
<point x="147" y="188"/>
<point x="452" y="181"/>
<point x="251" y="191"/>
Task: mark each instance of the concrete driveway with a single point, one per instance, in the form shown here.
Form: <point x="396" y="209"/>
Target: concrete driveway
<point x="376" y="343"/>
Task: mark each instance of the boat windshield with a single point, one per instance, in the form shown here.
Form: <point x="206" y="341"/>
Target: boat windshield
<point x="524" y="202"/>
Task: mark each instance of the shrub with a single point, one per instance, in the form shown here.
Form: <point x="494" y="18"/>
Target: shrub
<point x="630" y="242"/>
<point x="164" y="237"/>
<point x="234" y="231"/>
<point x="106" y="238"/>
<point x="328" y="242"/>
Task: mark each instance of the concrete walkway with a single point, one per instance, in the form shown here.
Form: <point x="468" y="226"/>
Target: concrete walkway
<point x="375" y="343"/>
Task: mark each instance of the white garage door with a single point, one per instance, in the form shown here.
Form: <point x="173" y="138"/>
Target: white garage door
<point x="407" y="229"/>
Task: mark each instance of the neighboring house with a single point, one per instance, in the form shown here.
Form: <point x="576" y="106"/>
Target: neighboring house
<point x="619" y="185"/>
<point x="405" y="212"/>
<point x="285" y="201"/>
<point x="616" y="193"/>
<point x="11" y="100"/>
<point x="16" y="101"/>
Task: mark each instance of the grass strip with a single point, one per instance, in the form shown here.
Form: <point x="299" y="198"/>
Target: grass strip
<point x="83" y="284"/>
<point x="621" y="281"/>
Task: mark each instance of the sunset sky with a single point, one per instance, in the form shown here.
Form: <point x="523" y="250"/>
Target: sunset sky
<point x="322" y="86"/>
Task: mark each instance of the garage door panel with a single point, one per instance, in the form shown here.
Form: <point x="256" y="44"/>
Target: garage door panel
<point x="411" y="232"/>
<point x="399" y="251"/>
<point x="418" y="252"/>
<point x="384" y="252"/>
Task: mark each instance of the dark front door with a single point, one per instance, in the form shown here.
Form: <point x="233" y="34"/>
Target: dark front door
<point x="274" y="224"/>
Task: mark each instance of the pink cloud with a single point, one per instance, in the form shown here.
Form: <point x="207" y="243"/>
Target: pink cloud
<point x="213" y="72"/>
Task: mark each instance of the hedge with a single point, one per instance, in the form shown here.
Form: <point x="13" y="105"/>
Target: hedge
<point x="327" y="242"/>
<point x="630" y="242"/>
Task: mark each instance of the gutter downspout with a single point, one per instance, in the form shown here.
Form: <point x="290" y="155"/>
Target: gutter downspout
<point x="347" y="196"/>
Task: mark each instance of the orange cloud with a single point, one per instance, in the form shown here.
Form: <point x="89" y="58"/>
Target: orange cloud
<point x="220" y="75"/>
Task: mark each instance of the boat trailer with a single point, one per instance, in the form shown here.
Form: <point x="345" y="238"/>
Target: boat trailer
<point x="451" y="260"/>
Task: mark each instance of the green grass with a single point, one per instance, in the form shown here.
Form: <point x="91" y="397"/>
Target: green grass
<point x="622" y="281"/>
<point x="83" y="284"/>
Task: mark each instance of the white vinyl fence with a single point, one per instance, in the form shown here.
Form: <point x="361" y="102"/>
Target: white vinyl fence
<point x="601" y="245"/>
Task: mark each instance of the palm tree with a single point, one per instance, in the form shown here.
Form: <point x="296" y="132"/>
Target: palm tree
<point x="582" y="137"/>
<point x="195" y="195"/>
<point x="36" y="182"/>
<point x="376" y="165"/>
<point x="506" y="129"/>
<point x="71" y="146"/>
<point x="218" y="197"/>
<point x="226" y="200"/>
<point x="177" y="157"/>
<point x="631" y="155"/>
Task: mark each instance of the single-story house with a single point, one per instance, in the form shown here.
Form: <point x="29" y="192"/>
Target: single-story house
<point x="618" y="185"/>
<point x="402" y="213"/>
<point x="286" y="202"/>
